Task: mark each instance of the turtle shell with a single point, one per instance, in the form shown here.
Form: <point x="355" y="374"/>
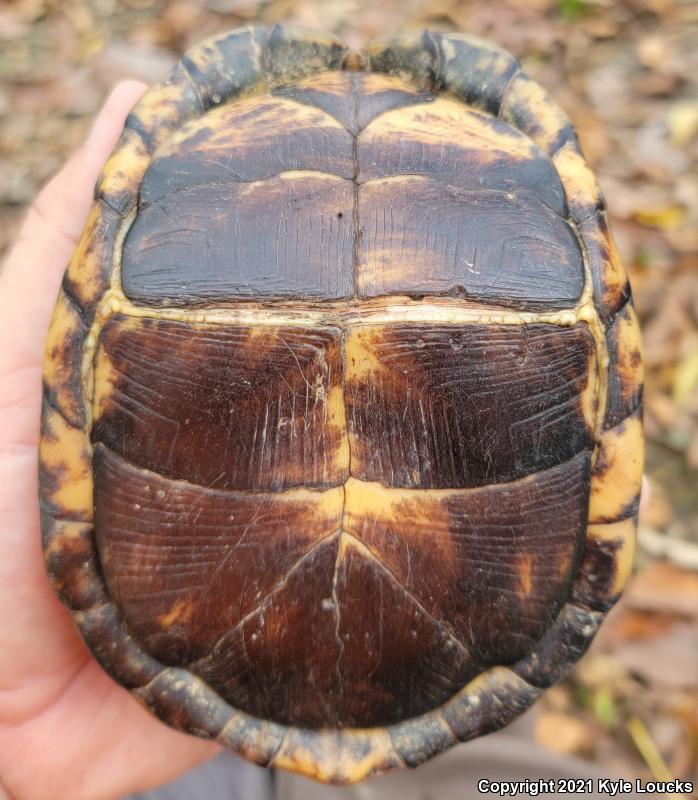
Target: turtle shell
<point x="342" y="446"/>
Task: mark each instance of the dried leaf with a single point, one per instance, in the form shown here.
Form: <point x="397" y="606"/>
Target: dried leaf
<point x="563" y="733"/>
<point x="664" y="588"/>
<point x="683" y="123"/>
<point x="665" y="218"/>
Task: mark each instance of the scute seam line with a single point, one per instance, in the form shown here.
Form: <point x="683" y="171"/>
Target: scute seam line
<point x="367" y="554"/>
<point x="266" y="600"/>
<point x="48" y="397"/>
<point x="289" y="173"/>
<point x="281" y="493"/>
<point x="82" y="312"/>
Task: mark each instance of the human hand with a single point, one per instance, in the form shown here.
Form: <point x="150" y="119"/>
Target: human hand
<point x="66" y="729"/>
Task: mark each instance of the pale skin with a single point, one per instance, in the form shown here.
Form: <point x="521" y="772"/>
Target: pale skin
<point x="66" y="729"/>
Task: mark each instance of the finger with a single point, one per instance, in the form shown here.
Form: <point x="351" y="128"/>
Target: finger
<point x="101" y="729"/>
<point x="28" y="288"/>
<point x="30" y="278"/>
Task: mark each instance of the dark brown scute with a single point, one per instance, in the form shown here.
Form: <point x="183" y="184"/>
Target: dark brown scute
<point x="431" y="215"/>
<point x="427" y="418"/>
<point x="181" y="391"/>
<point x="185" y="563"/>
<point x="285" y="237"/>
<point x="303" y="662"/>
<point x="276" y="618"/>
<point x="264" y="665"/>
<point x="430" y="149"/>
<point x="495" y="563"/>
<point x="422" y="237"/>
<point x="249" y="142"/>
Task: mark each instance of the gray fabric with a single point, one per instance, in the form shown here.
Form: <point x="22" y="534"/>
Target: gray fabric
<point x="225" y="777"/>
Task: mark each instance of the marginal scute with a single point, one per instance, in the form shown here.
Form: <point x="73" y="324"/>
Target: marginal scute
<point x="223" y="67"/>
<point x="418" y="740"/>
<point x="528" y="107"/>
<point x="121" y="176"/>
<point x="342" y="757"/>
<point x="488" y="703"/>
<point x="185" y="702"/>
<point x="476" y="71"/>
<point x="292" y="53"/>
<point x="70" y="562"/>
<point x="63" y="360"/>
<point x="90" y="267"/>
<point x="581" y="188"/>
<point x="561" y="647"/>
<point x="607" y="563"/>
<point x="412" y="57"/>
<point x="617" y="476"/>
<point x="254" y="739"/>
<point x="165" y="107"/>
<point x="103" y="630"/>
<point x="608" y="276"/>
<point x="626" y="373"/>
<point x="65" y="468"/>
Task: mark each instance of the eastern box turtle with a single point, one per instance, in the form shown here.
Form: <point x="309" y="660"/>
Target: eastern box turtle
<point x="342" y="441"/>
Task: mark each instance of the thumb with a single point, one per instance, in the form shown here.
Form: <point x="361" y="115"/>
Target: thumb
<point x="32" y="273"/>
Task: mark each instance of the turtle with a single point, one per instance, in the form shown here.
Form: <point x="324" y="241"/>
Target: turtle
<point x="341" y="444"/>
